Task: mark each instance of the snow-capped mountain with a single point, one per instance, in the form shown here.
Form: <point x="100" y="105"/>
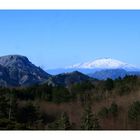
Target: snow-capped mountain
<point x="104" y="63"/>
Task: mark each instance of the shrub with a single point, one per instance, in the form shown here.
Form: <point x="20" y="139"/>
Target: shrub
<point x="134" y="111"/>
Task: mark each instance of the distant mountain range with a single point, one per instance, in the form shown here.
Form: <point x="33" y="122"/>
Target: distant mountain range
<point x="17" y="70"/>
<point x="101" y="69"/>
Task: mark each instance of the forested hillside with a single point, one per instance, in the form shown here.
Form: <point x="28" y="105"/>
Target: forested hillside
<point x="88" y="105"/>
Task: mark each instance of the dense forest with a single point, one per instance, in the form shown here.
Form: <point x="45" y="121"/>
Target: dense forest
<point x="89" y="105"/>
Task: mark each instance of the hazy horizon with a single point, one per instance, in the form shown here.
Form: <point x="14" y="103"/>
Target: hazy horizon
<point x="59" y="38"/>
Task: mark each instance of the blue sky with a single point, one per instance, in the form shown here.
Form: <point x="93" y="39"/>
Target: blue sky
<point x="53" y="39"/>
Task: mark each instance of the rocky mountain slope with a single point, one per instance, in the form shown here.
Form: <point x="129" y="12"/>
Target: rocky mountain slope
<point x="17" y="70"/>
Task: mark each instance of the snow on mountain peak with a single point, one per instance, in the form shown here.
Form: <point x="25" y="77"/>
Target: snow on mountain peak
<point x="103" y="63"/>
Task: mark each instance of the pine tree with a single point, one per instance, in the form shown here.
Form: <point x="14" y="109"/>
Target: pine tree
<point x="63" y="122"/>
<point x="134" y="113"/>
<point x="4" y="106"/>
<point x="109" y="84"/>
<point x="13" y="108"/>
<point x="113" y="109"/>
<point x="89" y="120"/>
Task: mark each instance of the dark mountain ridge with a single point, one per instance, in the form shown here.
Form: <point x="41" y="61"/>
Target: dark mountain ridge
<point x="66" y="79"/>
<point x="17" y="70"/>
<point x="109" y="73"/>
<point x="112" y="74"/>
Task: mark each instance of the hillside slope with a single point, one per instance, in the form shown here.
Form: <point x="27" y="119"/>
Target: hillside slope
<point x="17" y="70"/>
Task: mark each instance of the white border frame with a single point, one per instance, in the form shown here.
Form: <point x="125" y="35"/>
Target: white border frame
<point x="69" y="4"/>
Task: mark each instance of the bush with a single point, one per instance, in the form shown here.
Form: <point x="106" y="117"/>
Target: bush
<point x="61" y="94"/>
<point x="62" y="123"/>
<point x="134" y="111"/>
<point x="113" y="109"/>
<point x="109" y="84"/>
<point x="103" y="113"/>
<point x="27" y="114"/>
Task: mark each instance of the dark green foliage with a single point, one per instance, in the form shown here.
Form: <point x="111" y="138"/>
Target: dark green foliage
<point x="89" y="120"/>
<point x="103" y="113"/>
<point x="82" y="87"/>
<point x="123" y="90"/>
<point x="43" y="92"/>
<point x="25" y="96"/>
<point x="109" y="84"/>
<point x="131" y="79"/>
<point x="27" y="114"/>
<point x="40" y="92"/>
<point x="6" y="124"/>
<point x="113" y="110"/>
<point x="4" y="106"/>
<point x="127" y="85"/>
<point x="61" y="94"/>
<point x="18" y="106"/>
<point x="47" y="118"/>
<point x="134" y="111"/>
<point x="82" y="91"/>
<point x="8" y="110"/>
<point x="13" y="107"/>
<point x="62" y="123"/>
